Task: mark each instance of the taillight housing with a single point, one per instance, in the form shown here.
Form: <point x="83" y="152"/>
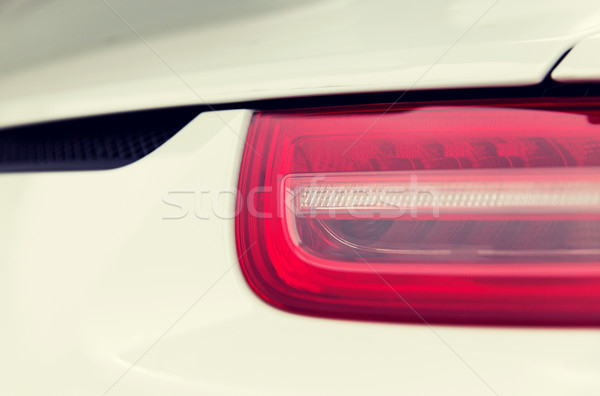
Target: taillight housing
<point x="439" y="212"/>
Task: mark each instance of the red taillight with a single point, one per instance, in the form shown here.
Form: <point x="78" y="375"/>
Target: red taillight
<point x="470" y="212"/>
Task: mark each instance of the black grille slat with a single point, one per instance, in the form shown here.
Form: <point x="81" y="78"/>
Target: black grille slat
<point x="92" y="143"/>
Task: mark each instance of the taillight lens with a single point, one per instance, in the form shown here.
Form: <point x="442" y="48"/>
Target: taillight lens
<point x="455" y="212"/>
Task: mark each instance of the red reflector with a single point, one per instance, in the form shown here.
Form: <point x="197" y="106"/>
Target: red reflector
<point x="455" y="212"/>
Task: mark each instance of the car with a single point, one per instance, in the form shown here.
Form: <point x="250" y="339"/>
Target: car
<point x="299" y="198"/>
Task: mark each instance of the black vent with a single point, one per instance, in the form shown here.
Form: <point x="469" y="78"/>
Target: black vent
<point x="90" y="143"/>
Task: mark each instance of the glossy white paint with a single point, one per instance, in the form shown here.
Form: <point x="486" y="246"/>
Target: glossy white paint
<point x="98" y="288"/>
<point x="582" y="64"/>
<point x="97" y="284"/>
<point x="67" y="58"/>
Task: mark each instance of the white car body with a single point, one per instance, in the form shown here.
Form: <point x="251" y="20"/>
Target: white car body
<point x="126" y="281"/>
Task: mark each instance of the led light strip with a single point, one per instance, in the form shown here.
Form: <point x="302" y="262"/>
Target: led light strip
<point x="463" y="191"/>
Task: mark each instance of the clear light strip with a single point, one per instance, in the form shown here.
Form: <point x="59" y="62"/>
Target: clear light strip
<point x="549" y="190"/>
